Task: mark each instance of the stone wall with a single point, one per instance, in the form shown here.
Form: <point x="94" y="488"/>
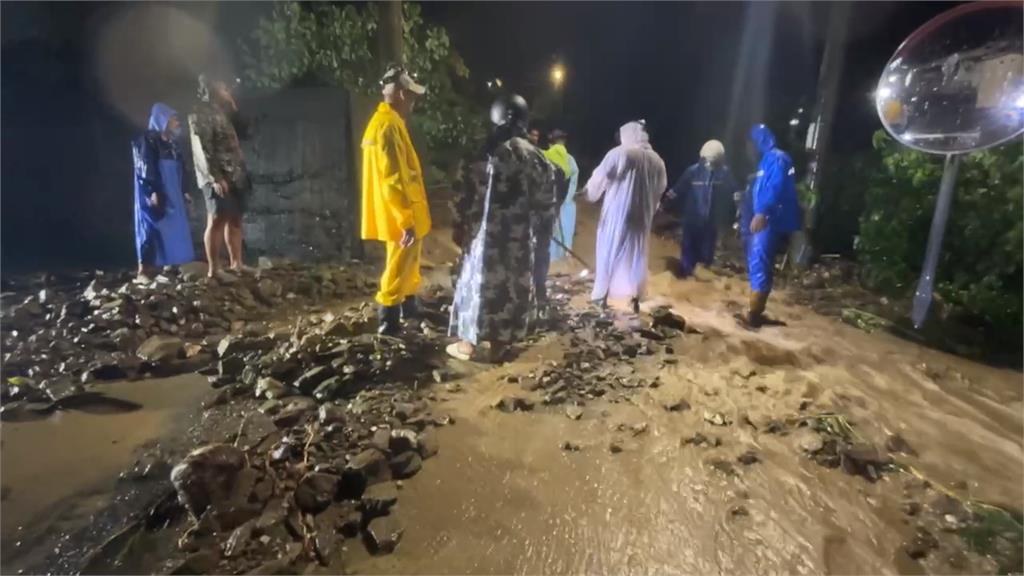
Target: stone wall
<point x="305" y="202"/>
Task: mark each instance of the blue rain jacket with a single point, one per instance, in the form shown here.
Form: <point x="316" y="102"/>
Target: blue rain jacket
<point x="700" y="189"/>
<point x="774" y="193"/>
<point x="162" y="233"/>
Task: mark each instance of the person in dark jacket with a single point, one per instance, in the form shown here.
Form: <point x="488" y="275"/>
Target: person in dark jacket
<point x="701" y="191"/>
<point x="220" y="169"/>
<point x="775" y="215"/>
<point x="162" y="235"/>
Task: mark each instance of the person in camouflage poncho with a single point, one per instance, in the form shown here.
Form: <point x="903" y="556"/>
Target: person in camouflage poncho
<point x="495" y="298"/>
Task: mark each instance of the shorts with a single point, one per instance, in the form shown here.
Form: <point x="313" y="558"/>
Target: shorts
<point x="231" y="205"/>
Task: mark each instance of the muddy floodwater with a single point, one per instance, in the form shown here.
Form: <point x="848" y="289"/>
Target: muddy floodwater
<point x="61" y="470"/>
<point x="704" y="469"/>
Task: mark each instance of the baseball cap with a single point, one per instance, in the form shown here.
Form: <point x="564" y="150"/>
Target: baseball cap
<point x="400" y="76"/>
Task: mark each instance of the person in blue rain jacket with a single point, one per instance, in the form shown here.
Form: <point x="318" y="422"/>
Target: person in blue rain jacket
<point x="775" y="214"/>
<point x="701" y="191"/>
<point x="162" y="234"/>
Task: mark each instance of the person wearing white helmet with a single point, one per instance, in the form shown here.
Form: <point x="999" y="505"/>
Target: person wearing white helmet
<point x="699" y="194"/>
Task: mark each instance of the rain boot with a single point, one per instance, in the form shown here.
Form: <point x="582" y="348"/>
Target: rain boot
<point x="410" y="308"/>
<point x="389" y="320"/>
<point x="755" y="312"/>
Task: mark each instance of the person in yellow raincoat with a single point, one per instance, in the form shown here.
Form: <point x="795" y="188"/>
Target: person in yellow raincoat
<point x="395" y="209"/>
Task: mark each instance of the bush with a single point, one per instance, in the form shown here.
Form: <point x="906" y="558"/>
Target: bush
<point x="980" y="268"/>
<point x="332" y="45"/>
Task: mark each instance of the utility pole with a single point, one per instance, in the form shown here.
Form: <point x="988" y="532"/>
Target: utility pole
<point x="389" y="35"/>
<point x="820" y="134"/>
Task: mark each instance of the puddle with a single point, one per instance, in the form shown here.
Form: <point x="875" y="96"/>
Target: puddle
<point x="61" y="470"/>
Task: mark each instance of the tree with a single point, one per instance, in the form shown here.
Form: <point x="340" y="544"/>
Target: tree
<point x="327" y="44"/>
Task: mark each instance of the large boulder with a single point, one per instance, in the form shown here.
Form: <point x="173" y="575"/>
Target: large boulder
<point x="207" y="476"/>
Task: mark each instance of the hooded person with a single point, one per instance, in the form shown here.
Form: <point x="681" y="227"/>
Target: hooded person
<point x="630" y="179"/>
<point x="495" y="295"/>
<point x="701" y="191"/>
<point x="774" y="212"/>
<point x="565" y="222"/>
<point x="162" y="234"/>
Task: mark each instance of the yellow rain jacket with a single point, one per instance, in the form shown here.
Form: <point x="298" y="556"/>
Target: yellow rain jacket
<point x="394" y="198"/>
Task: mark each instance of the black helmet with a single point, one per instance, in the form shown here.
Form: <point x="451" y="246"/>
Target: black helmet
<point x="509" y="109"/>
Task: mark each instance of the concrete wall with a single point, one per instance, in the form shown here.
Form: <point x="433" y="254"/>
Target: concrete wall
<point x="305" y="203"/>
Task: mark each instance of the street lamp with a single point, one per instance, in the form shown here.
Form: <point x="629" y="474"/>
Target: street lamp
<point x="557" y="75"/>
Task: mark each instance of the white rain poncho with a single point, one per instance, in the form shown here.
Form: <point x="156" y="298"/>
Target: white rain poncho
<point x="631" y="179"/>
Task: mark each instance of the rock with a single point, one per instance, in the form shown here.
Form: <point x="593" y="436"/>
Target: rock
<point x="615" y="447"/>
<point x="268" y="290"/>
<point x="665" y="318"/>
<point x="678" y="405"/>
<point x="265" y="263"/>
<point x="574" y="412"/>
<point x="242" y="488"/>
<point x="350" y="524"/>
<point x="228" y="516"/>
<point x="568" y="446"/>
<point x="294" y="411"/>
<point x="233" y="345"/>
<point x="333" y="388"/>
<point x="513" y="404"/>
<point x="405" y="465"/>
<point x="896" y="444"/>
<point x="723" y="466"/>
<point x="404" y="410"/>
<point x="372" y="465"/>
<point x="271" y="389"/>
<point x="716" y="419"/>
<point x="332" y="414"/>
<point x="863" y="459"/>
<point x="192" y="271"/>
<point x="238" y="539"/>
<point x="379" y="498"/>
<point x="427" y="443"/>
<point x="309" y="381"/>
<point x="403" y="440"/>
<point x="108" y="371"/>
<point x="206" y="476"/>
<point x="748" y="458"/>
<point x="808" y="440"/>
<point x="230" y="367"/>
<point x="911" y="508"/>
<point x="381" y="440"/>
<point x="316" y="491"/>
<point x="739" y="511"/>
<point x="921" y="544"/>
<point x="384" y="534"/>
<point x="161" y="348"/>
<point x="58" y="389"/>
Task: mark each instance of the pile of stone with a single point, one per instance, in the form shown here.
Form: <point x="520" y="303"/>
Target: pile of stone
<point x="104" y="326"/>
<point x="337" y="417"/>
<point x="599" y="361"/>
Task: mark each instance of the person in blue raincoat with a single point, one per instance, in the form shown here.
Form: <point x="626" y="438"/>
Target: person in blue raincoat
<point x="702" y="189"/>
<point x="162" y="234"/>
<point x="774" y="214"/>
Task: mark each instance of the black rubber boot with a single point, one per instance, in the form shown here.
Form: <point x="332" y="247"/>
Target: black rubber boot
<point x="410" y="308"/>
<point x="389" y="318"/>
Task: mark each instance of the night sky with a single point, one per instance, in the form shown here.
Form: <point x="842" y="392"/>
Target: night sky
<point x="680" y="66"/>
<point x="78" y="80"/>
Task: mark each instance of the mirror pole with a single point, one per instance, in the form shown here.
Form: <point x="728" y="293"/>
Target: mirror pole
<point x="926" y="284"/>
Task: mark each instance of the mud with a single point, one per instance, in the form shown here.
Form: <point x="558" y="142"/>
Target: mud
<point x="626" y="487"/>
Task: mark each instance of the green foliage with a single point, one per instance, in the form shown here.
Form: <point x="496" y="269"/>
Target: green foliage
<point x="328" y="44"/>
<point x="980" y="268"/>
